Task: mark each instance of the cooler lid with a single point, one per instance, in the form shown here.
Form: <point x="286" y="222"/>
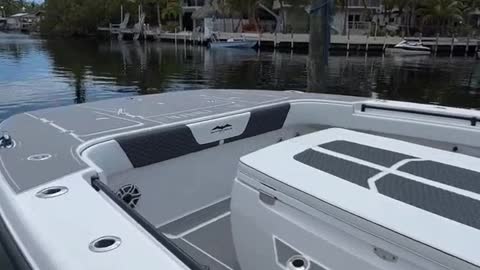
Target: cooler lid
<point x="427" y="194"/>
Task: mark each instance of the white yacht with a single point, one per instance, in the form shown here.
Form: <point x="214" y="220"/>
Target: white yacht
<point x="232" y="43"/>
<point x="241" y="180"/>
<point x="406" y="47"/>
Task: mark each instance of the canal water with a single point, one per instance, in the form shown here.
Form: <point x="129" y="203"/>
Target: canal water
<point x="36" y="73"/>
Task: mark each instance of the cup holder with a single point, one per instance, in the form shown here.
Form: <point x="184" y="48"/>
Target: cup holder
<point x="105" y="244"/>
<point x="297" y="263"/>
<point x="51" y="192"/>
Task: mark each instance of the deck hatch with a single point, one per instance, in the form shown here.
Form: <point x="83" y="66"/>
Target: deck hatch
<point x="371" y="154"/>
<point x="445" y="174"/>
<point x="441" y="202"/>
<point x="353" y="172"/>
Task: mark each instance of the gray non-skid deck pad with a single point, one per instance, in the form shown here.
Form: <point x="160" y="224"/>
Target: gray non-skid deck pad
<point x="445" y="174"/>
<point x="216" y="240"/>
<point x="212" y="241"/>
<point x="347" y="170"/>
<point x="441" y="202"/>
<point x="371" y="154"/>
<point x="212" y="244"/>
<point x="199" y="256"/>
<point x="188" y="222"/>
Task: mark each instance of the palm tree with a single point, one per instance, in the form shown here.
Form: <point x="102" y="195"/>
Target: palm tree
<point x="441" y="13"/>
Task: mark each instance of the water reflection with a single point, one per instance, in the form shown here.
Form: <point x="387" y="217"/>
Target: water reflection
<point x="37" y="73"/>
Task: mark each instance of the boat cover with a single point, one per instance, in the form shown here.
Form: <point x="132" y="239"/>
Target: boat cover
<point x="430" y="196"/>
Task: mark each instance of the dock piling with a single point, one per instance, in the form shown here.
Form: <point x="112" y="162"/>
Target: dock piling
<point x="366" y="42"/>
<point x="292" y="44"/>
<point x="175" y="37"/>
<point x="467" y="47"/>
<point x="184" y="37"/>
<point x="436" y="44"/>
<point x="275" y="40"/>
<point x="348" y="43"/>
<point x="452" y="45"/>
<point x="385" y="43"/>
<point x="259" y="40"/>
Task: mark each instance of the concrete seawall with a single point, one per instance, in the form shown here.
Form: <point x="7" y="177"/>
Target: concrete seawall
<point x="300" y="42"/>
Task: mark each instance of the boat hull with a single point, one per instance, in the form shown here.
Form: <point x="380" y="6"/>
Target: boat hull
<point x="234" y="44"/>
<point x="398" y="51"/>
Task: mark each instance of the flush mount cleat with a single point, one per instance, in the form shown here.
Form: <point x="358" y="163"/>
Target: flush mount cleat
<point x="6" y="141"/>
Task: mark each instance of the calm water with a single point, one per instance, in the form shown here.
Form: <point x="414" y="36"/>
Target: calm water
<point x="37" y="73"/>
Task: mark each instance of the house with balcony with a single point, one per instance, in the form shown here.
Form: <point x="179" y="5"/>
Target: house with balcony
<point x="357" y="16"/>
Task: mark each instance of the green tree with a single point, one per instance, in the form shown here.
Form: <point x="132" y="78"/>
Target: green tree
<point x="11" y="7"/>
<point x="441" y="13"/>
<point x="82" y="17"/>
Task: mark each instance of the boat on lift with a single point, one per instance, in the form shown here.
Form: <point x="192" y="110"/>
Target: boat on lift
<point x="406" y="47"/>
<point x="241" y="180"/>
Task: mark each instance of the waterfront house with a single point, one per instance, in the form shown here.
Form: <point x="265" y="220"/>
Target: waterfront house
<point x="24" y="21"/>
<point x="357" y="16"/>
<point x="188" y="8"/>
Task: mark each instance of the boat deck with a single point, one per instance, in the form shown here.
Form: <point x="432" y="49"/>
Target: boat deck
<point x="206" y="235"/>
<point x="62" y="130"/>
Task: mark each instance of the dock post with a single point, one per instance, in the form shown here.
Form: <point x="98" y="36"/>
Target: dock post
<point x="184" y="37"/>
<point x="259" y="40"/>
<point x="275" y="41"/>
<point x="175" y="37"/>
<point x="385" y="43"/>
<point x="366" y="43"/>
<point x="293" y="42"/>
<point x="376" y="29"/>
<point x="348" y="43"/>
<point x="421" y="36"/>
<point x="436" y="44"/>
<point x="452" y="45"/>
<point x="467" y="47"/>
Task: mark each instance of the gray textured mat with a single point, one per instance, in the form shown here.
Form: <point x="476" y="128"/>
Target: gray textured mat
<point x="212" y="243"/>
<point x="199" y="255"/>
<point x="347" y="170"/>
<point x="444" y="203"/>
<point x="371" y="154"/>
<point x="216" y="239"/>
<point x="193" y="220"/>
<point x="445" y="174"/>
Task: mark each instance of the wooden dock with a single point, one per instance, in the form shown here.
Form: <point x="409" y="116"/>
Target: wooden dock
<point x="300" y="42"/>
<point x="343" y="43"/>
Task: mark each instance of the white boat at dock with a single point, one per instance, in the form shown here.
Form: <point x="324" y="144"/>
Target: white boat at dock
<point x="235" y="43"/>
<point x="406" y="47"/>
<point x="241" y="180"/>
